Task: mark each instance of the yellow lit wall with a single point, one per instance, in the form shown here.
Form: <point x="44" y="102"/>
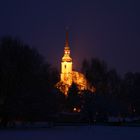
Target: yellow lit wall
<point x="66" y="72"/>
<point x="66" y="67"/>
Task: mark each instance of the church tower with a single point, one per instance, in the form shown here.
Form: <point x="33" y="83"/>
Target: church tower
<point x="66" y="65"/>
<point x="68" y="76"/>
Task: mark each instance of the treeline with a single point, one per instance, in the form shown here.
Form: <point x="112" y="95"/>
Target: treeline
<point x="26" y="83"/>
<point x="115" y="95"/>
<point x="28" y="93"/>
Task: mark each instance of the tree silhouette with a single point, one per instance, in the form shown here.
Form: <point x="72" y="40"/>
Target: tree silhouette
<point x="95" y="72"/>
<point x="73" y="99"/>
<point x="26" y="82"/>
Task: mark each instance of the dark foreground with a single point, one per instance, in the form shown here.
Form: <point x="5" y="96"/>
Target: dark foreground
<point x="73" y="133"/>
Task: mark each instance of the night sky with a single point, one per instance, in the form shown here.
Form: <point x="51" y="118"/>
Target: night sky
<point x="107" y="29"/>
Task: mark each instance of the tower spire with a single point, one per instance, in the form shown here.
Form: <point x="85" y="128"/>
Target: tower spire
<point x="67" y="38"/>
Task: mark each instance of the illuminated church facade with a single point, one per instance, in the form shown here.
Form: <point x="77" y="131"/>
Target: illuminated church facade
<point x="68" y="76"/>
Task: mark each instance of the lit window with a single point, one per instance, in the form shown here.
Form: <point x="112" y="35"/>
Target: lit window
<point x="74" y="109"/>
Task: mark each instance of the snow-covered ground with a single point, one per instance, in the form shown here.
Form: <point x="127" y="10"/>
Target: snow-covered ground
<point x="73" y="133"/>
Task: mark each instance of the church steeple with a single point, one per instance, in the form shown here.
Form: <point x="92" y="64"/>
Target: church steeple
<point x="67" y="40"/>
<point x="66" y="56"/>
<point x="66" y="65"/>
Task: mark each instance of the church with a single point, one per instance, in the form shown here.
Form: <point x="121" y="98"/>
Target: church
<point x="67" y="75"/>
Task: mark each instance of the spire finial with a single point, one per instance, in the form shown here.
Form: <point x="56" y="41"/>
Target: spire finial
<point x="67" y="37"/>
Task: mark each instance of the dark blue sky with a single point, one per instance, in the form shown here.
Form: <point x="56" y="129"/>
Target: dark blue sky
<point x="107" y="29"/>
